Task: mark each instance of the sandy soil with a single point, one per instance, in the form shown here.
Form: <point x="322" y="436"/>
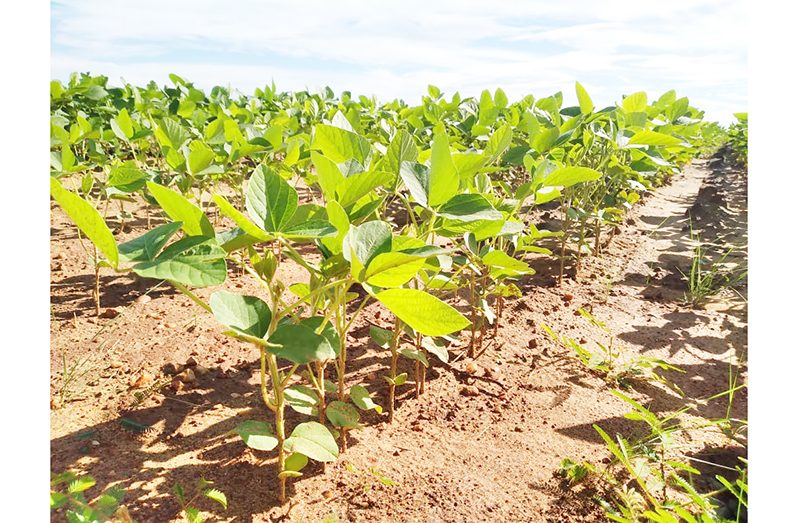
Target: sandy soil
<point x="451" y="456"/>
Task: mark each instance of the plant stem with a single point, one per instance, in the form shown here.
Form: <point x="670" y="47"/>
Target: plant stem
<point x="397" y="327"/>
<point x="96" y="284"/>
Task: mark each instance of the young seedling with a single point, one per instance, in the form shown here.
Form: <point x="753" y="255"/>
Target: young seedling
<point x="190" y="512"/>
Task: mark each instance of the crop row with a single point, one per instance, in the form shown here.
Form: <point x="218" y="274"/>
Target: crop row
<point x="407" y="206"/>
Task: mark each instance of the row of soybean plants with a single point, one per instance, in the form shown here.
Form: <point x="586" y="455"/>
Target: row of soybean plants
<point x="409" y="204"/>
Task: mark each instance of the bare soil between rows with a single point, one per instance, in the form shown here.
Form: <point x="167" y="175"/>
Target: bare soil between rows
<point x="450" y="456"/>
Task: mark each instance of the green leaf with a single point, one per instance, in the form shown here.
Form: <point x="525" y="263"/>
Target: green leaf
<point x="240" y="219"/>
<point x="545" y="139"/>
<point x="342" y="414"/>
<point x="311" y="229"/>
<point x="247" y="314"/>
<point x="435" y="348"/>
<point x="147" y="246"/>
<point x="500" y="99"/>
<point x="217" y="496"/>
<point x="127" y="177"/>
<point x="498" y="142"/>
<point x="646" y="137"/>
<point x="328" y="173"/>
<point x="88" y="220"/>
<point x="381" y="337"/>
<point x="393" y="269"/>
<point x="170" y="133"/>
<point x="402" y="149"/>
<point x="179" y="209"/>
<point x="501" y="265"/>
<point x="417" y="179"/>
<point x="360" y="396"/>
<point x="329" y="332"/>
<point x="257" y="435"/>
<point x="340" y="145"/>
<point x="271" y="202"/>
<point x="196" y="271"/>
<point x="469" y="208"/>
<point x="299" y="344"/>
<point x="423" y="312"/>
<point x="585" y="103"/>
<point x="192" y="515"/>
<point x="81" y="484"/>
<point x="635" y="103"/>
<point x="302" y="399"/>
<point x="200" y="157"/>
<point x="414" y="354"/>
<point x="314" y="441"/>
<point x="364" y="242"/>
<point x="568" y="176"/>
<point x="296" y="462"/>
<point x="122" y="126"/>
<point x="443" y="178"/>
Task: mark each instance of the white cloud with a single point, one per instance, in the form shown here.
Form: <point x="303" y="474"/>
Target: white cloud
<point x="394" y="49"/>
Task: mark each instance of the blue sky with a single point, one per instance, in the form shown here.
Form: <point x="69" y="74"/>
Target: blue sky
<point x="394" y="49"/>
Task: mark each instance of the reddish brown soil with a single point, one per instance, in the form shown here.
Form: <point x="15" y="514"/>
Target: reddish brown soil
<point x="451" y="457"/>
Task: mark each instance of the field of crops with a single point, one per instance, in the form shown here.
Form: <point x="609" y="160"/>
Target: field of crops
<point x="307" y="307"/>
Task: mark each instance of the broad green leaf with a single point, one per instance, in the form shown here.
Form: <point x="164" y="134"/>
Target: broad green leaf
<point x="468" y="208"/>
<point x="88" y="220"/>
<point x="328" y="173"/>
<point x="545" y="139"/>
<point x="302" y="399"/>
<point x="200" y="157"/>
<point x="271" y="202"/>
<point x="443" y="179"/>
<point x="296" y="462"/>
<point x="414" y="354"/>
<point x="423" y="312"/>
<point x="342" y="414"/>
<point x="196" y="271"/>
<point x="122" y="125"/>
<point x="354" y="187"/>
<point x="417" y="180"/>
<point x="240" y="219"/>
<point x="127" y="177"/>
<point x="364" y="242"/>
<point x="501" y="265"/>
<point x="435" y="348"/>
<point x="338" y="218"/>
<point x="361" y="397"/>
<point x="299" y="344"/>
<point x="311" y="229"/>
<point x="635" y="103"/>
<point x="314" y="441"/>
<point x="147" y="246"/>
<point x="568" y="176"/>
<point x="258" y="435"/>
<point x="393" y="269"/>
<point x="585" y="103"/>
<point x="381" y="337"/>
<point x="170" y="133"/>
<point x="499" y="141"/>
<point x="402" y="149"/>
<point x="247" y="314"/>
<point x="328" y="331"/>
<point x="179" y="209"/>
<point x="340" y="145"/>
<point x="646" y="137"/>
<point x="500" y="99"/>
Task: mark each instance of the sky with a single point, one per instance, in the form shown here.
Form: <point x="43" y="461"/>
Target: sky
<point x="394" y="49"/>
